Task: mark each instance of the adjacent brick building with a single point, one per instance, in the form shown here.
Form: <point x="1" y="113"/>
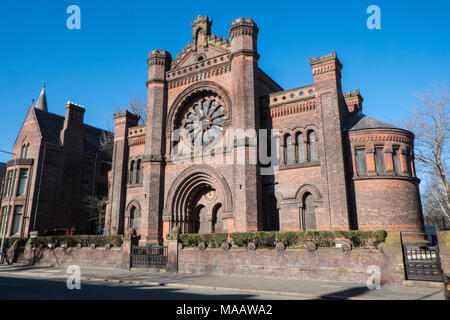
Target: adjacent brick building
<point x="338" y="168"/>
<point x="57" y="164"/>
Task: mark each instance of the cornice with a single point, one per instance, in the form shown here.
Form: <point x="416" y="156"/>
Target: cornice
<point x="288" y="109"/>
<point x="202" y="75"/>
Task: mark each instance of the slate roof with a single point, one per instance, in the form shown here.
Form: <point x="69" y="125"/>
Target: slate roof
<point x="360" y="121"/>
<point x="51" y="125"/>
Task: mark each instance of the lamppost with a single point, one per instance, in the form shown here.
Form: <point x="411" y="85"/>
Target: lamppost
<point x="9" y="189"/>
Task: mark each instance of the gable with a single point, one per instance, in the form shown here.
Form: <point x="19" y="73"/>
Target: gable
<point x="29" y="129"/>
<point x="215" y="46"/>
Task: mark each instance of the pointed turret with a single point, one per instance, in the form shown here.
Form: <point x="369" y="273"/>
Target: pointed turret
<point x="42" y="101"/>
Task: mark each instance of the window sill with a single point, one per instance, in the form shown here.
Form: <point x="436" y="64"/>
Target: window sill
<point x="136" y="185"/>
<point x="307" y="164"/>
<point x="389" y="177"/>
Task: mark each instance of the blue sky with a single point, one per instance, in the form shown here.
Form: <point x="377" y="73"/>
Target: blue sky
<point x="104" y="63"/>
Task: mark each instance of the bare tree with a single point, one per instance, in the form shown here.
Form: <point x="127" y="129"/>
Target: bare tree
<point x="107" y="142"/>
<point x="135" y="106"/>
<point x="97" y="206"/>
<point x="139" y="108"/>
<point x="431" y="125"/>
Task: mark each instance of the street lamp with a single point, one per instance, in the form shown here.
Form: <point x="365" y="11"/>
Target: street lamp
<point x="10" y="190"/>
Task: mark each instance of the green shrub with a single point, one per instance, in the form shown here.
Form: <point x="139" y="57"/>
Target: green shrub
<point x="10" y="241"/>
<point x="189" y="239"/>
<point x="260" y="238"/>
<point x="328" y="238"/>
<point x="288" y="238"/>
<point x="84" y="240"/>
<point x="362" y="238"/>
<point x="265" y="239"/>
<point x="214" y="240"/>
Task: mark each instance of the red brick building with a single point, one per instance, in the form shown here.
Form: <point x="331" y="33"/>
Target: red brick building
<point x="57" y="164"/>
<point x="338" y="168"/>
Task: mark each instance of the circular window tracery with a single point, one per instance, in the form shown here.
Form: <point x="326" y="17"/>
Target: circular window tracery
<point x="205" y="120"/>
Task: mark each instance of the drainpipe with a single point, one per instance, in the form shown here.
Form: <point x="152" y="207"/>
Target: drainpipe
<point x="39" y="187"/>
<point x="94" y="181"/>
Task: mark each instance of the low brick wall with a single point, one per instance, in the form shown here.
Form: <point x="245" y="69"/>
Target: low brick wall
<point x="324" y="264"/>
<point x="327" y="264"/>
<point x="113" y="258"/>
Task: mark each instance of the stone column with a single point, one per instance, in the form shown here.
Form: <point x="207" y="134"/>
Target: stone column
<point x="154" y="165"/>
<point x="244" y="63"/>
<point x="114" y="219"/>
<point x="172" y="256"/>
<point x="331" y="108"/>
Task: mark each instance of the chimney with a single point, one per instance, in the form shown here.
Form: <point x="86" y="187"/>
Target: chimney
<point x="73" y="131"/>
<point x="74" y="114"/>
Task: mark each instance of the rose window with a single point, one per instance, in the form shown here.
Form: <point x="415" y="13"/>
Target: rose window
<point x="205" y="120"/>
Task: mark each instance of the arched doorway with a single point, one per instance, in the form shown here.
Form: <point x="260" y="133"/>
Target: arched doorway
<point x="201" y="211"/>
<point x="196" y="201"/>
<point x="132" y="219"/>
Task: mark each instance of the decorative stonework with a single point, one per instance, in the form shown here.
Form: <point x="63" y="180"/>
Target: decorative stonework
<point x="209" y="114"/>
<point x="136" y="131"/>
<point x="243" y="26"/>
<point x="324" y="69"/>
<point x="199" y="71"/>
<point x="158" y="57"/>
<point x="136" y="141"/>
<point x="379" y="138"/>
<point x="203" y="88"/>
<point x="292" y="109"/>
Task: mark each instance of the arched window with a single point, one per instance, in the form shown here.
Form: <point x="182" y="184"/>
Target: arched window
<point x="288" y="148"/>
<point x="312" y="146"/>
<point x="132" y="219"/>
<point x="25" y="150"/>
<point x="131" y="175"/>
<point x="300" y="148"/>
<point x="138" y="171"/>
<point x="309" y="212"/>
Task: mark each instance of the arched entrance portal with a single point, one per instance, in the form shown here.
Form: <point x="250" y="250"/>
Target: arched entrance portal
<point x="197" y="201"/>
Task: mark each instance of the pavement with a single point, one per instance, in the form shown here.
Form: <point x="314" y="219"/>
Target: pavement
<point x="263" y="288"/>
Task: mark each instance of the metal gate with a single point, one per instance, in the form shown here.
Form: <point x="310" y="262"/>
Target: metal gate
<point x="20" y="257"/>
<point x="422" y="263"/>
<point x="152" y="256"/>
